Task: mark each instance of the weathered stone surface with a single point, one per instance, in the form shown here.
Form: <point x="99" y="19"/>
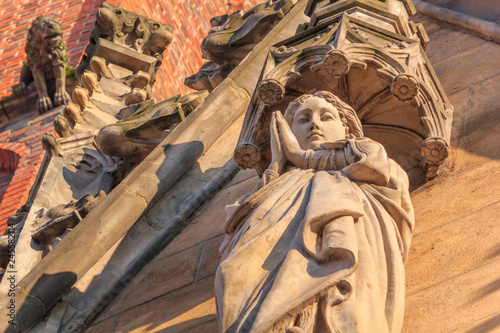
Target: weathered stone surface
<point x="57" y="221"/>
<point x="202" y="227"/>
<point x="488" y="324"/>
<point x="108" y="325"/>
<point x="77" y="240"/>
<point x="485" y="9"/>
<point x="478" y="187"/>
<point x="467" y="18"/>
<point x="136" y="136"/>
<point x="475" y="125"/>
<point x="467" y="62"/>
<point x="456" y="303"/>
<point x="158" y="278"/>
<point x="435" y="256"/>
<point x="447" y="43"/>
<point x="210" y="326"/>
<point x="109" y="273"/>
<point x="456" y="215"/>
<point x="209" y="260"/>
<point x="182" y="310"/>
<point x="429" y="25"/>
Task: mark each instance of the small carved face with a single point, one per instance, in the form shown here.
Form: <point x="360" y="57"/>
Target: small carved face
<point x="316" y="121"/>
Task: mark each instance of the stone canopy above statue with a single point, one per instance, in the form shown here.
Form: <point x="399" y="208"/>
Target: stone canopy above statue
<point x="373" y="58"/>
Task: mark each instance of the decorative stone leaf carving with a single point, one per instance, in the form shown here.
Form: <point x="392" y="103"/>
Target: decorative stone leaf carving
<point x="62" y="128"/>
<point x="81" y="97"/>
<point x="73" y="114"/>
<point x="91" y="82"/>
<point x="51" y="145"/>
<point x="100" y="67"/>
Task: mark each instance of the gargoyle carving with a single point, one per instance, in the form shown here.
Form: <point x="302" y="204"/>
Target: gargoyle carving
<point x="232" y="37"/>
<point x="130" y="30"/>
<point x="135" y="137"/>
<point x="47" y="57"/>
<point x="62" y="217"/>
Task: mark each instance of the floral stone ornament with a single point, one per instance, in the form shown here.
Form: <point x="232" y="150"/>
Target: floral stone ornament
<point x="271" y="91"/>
<point x="405" y="87"/>
<point x="247" y="156"/>
<point x="435" y="151"/>
<point x="337" y="63"/>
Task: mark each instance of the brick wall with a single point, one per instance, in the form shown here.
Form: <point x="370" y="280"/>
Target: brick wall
<point x="21" y="155"/>
<point x="190" y="18"/>
<point x="77" y="19"/>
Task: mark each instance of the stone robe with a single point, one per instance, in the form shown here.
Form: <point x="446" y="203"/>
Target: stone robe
<point x="319" y="250"/>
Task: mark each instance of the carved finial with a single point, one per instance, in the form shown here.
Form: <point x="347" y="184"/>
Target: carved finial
<point x="73" y="114"/>
<point x="82" y="98"/>
<point x="271" y="91"/>
<point x="51" y="145"/>
<point x="62" y="128"/>
<point x="136" y="96"/>
<point x="100" y="67"/>
<point x="405" y="87"/>
<point x="337" y="63"/>
<point x="91" y="82"/>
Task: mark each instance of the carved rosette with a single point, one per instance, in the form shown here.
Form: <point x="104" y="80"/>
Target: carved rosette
<point x="271" y="91"/>
<point x="435" y="151"/>
<point x="247" y="156"/>
<point x="337" y="63"/>
<point x="405" y="87"/>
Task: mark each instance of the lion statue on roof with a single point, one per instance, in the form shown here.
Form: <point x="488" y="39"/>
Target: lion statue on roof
<point x="47" y="58"/>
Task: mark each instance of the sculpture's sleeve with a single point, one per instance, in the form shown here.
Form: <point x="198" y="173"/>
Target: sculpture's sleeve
<point x="331" y="159"/>
<point x="359" y="159"/>
<point x="367" y="162"/>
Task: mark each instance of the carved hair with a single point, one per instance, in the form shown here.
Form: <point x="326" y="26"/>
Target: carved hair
<point x="347" y="114"/>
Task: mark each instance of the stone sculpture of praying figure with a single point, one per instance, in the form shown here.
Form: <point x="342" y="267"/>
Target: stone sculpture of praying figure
<point x="320" y="245"/>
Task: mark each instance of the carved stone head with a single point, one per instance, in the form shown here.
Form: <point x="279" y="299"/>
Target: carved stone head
<point x="322" y="117"/>
<point x="44" y="43"/>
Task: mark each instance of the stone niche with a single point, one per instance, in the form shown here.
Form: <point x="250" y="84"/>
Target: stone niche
<point x="373" y="58"/>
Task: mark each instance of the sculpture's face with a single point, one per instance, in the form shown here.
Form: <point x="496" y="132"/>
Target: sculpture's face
<point x="316" y="121"/>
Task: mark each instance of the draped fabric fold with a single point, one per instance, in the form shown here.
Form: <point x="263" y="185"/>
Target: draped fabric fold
<point x="322" y="250"/>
